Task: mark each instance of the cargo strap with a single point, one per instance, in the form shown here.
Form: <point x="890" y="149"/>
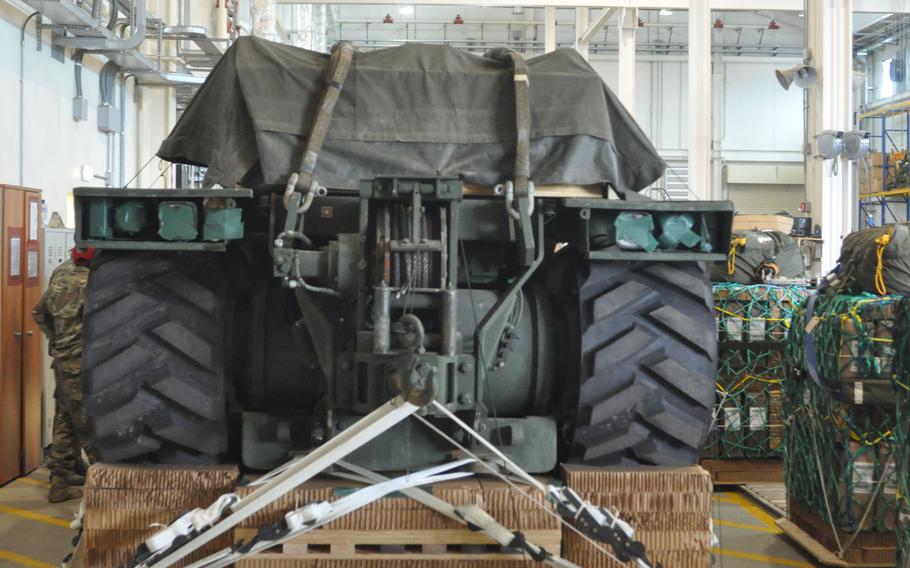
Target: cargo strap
<point x="302" y="180"/>
<point x="184" y="536"/>
<point x="200" y="526"/>
<point x="882" y="243"/>
<point x="473" y="517"/>
<point x="731" y="256"/>
<point x="831" y="280"/>
<point x="314" y="515"/>
<point x="519" y="192"/>
<point x="597" y="523"/>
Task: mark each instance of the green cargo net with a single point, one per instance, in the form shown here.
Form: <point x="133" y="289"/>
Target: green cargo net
<point x="854" y="341"/>
<point x="839" y="459"/>
<point x="843" y="452"/>
<point x="752" y="323"/>
<point x="902" y="441"/>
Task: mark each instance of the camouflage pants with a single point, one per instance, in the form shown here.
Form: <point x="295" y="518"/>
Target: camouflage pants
<point x="70" y="427"/>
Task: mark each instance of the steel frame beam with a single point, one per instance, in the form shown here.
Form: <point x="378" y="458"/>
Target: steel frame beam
<point x="581" y="23"/>
<point x="549" y="29"/>
<point x="829" y="189"/>
<point x="725" y="5"/>
<point x="587" y="35"/>
<point x="628" y="23"/>
<point x="699" y="69"/>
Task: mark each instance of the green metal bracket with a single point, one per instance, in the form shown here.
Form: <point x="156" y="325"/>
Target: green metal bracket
<point x="130" y="217"/>
<point x="636" y="228"/>
<point x="223" y="224"/>
<point x="99" y="219"/>
<point x="677" y="229"/>
<point x="491" y="327"/>
<point x="177" y="220"/>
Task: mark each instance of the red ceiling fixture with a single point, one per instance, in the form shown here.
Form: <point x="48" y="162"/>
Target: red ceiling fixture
<point x="773" y="25"/>
<point x="388" y="19"/>
<point x="458" y="19"/>
<point x="641" y="24"/>
<point x="718" y="24"/>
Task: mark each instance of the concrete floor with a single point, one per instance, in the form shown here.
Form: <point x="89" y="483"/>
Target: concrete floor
<point x="35" y="534"/>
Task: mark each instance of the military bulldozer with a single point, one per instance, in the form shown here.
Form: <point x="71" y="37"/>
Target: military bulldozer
<point x="413" y="216"/>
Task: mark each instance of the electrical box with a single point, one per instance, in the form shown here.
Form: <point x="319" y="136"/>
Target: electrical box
<point x="57" y="246"/>
<point x="108" y="118"/>
<point x="80" y="108"/>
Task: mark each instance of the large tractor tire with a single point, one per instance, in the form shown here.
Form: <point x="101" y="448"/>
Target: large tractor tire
<point x="648" y="358"/>
<point x="154" y="372"/>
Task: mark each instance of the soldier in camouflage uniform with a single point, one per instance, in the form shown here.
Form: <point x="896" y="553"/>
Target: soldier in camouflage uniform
<point x="59" y="315"/>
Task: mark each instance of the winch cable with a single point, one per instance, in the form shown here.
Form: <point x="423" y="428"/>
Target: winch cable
<point x="642" y="563"/>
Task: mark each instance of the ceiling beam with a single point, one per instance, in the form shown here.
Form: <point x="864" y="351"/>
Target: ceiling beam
<point x="726" y="5"/>
<point x="598" y="24"/>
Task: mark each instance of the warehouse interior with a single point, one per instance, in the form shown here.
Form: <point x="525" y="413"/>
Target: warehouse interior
<point x="594" y="283"/>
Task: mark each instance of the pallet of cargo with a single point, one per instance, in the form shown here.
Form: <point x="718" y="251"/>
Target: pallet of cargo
<point x="741" y="472"/>
<point x="821" y="554"/>
<point x="860" y="550"/>
<point x="427" y="545"/>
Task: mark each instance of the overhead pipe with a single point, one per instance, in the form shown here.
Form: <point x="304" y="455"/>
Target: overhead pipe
<point x="22" y="94"/>
<point x="537" y="45"/>
<point x="124" y="77"/>
<point x="140" y="27"/>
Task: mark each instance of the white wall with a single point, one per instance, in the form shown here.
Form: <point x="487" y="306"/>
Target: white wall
<point x="55" y="146"/>
<point x="761" y="122"/>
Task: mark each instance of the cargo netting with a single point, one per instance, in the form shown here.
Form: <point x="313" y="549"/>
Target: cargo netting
<point x="902" y="445"/>
<point x="845" y="437"/>
<point x="753" y="321"/>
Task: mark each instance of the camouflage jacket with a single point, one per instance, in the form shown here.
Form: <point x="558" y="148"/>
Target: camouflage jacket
<point x="59" y="311"/>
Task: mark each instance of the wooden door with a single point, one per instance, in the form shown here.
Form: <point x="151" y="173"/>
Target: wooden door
<point x="11" y="334"/>
<point x="32" y="367"/>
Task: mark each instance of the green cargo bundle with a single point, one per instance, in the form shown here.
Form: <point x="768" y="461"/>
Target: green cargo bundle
<point x="845" y="438"/>
<point x="902" y="446"/>
<point x="839" y="458"/>
<point x="756" y="256"/>
<point x="854" y="343"/>
<point x="752" y="323"/>
<point x="877" y="260"/>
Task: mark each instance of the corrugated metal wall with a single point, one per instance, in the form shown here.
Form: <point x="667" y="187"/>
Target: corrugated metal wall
<point x="766" y="199"/>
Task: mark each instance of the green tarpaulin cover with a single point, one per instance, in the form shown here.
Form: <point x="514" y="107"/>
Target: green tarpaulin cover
<point x="418" y="110"/>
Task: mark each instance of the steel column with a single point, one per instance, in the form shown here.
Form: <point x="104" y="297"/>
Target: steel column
<point x="549" y="29"/>
<point x="699" y="124"/>
<point x="829" y="189"/>
<point x="628" y="21"/>
<point x="581" y="26"/>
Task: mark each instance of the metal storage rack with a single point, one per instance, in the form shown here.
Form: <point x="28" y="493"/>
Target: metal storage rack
<point x="883" y="203"/>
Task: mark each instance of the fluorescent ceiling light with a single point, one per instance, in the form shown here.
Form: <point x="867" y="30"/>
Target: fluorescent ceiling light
<point x="665" y="12"/>
<point x="406" y="10"/>
<point x="801" y="15"/>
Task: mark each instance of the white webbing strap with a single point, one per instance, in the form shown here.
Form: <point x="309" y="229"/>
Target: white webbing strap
<point x="458" y="514"/>
<point x="292" y="474"/>
<point x="315" y="515"/>
<point x="606" y="518"/>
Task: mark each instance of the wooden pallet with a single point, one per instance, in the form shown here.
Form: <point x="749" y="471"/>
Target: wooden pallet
<point x="819" y="552"/>
<point x="425" y="545"/>
<point x="741" y="472"/>
<point x="772" y="496"/>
